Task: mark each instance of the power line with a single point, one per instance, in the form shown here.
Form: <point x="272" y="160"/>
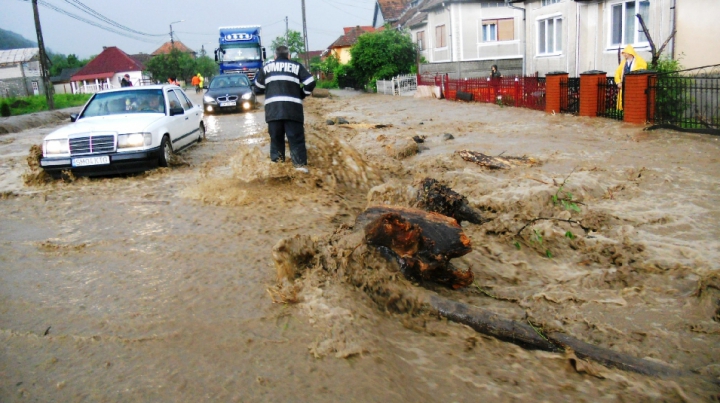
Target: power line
<point x="93" y="23"/>
<point x="82" y="7"/>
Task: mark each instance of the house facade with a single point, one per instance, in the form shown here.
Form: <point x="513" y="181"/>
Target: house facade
<point x="20" y="73"/>
<point x="340" y="49"/>
<point x="576" y="36"/>
<point x="106" y="70"/>
<point x="389" y="11"/>
<point x="465" y="38"/>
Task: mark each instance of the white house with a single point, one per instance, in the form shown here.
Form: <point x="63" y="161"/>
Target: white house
<point x="580" y="35"/>
<point x="20" y="73"/>
<point x="466" y="37"/>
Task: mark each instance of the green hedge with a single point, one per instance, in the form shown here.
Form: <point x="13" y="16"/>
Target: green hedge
<point x="24" y="105"/>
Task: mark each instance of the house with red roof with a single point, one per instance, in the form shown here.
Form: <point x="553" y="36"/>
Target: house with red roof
<point x="341" y="47"/>
<point x="106" y="70"/>
<point x="167" y="47"/>
<point x="388" y="11"/>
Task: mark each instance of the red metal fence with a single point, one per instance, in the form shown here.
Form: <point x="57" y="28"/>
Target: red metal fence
<point x="526" y="92"/>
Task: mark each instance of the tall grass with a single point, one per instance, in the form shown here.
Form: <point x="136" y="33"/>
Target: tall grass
<point x="25" y="105"/>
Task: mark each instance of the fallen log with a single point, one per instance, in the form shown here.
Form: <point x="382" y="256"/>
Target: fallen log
<point x="495" y="162"/>
<point x="438" y="198"/>
<point x="422" y="242"/>
<point x="489" y="323"/>
<point x="492" y="324"/>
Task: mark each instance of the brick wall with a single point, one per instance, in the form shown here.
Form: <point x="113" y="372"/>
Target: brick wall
<point x="635" y="97"/>
<point x="552" y="91"/>
<point x="589" y="92"/>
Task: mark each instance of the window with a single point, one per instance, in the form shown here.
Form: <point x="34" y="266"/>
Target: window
<point x="420" y="36"/>
<point x="489" y="32"/>
<point x="498" y="30"/>
<point x="550" y="36"/>
<point x="440" y="41"/>
<point x="625" y="27"/>
<point x="544" y="3"/>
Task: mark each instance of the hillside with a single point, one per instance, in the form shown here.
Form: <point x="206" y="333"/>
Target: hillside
<point x="11" y="40"/>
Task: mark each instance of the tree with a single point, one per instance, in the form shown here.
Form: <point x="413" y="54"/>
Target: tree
<point x="382" y="55"/>
<point x="206" y="66"/>
<point x="59" y="62"/>
<point x="295" y="43"/>
<point x="174" y="64"/>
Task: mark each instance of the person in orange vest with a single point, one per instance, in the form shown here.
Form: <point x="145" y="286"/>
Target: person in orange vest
<point x="633" y="62"/>
<point x="196" y="82"/>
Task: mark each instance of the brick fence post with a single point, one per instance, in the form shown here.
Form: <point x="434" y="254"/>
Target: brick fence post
<point x="589" y="91"/>
<point x="635" y="96"/>
<point x="552" y="90"/>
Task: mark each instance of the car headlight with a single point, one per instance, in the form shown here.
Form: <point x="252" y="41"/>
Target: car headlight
<point x="53" y="147"/>
<point x="133" y="140"/>
<point x="247" y="96"/>
<point x="209" y="99"/>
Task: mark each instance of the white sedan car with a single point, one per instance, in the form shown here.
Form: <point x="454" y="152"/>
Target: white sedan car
<point x="125" y="130"/>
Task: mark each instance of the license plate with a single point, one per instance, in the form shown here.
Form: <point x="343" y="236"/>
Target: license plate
<point x="229" y="103"/>
<point x="83" y="162"/>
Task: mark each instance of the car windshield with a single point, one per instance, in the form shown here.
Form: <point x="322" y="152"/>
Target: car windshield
<point x="124" y="102"/>
<point x="227" y="81"/>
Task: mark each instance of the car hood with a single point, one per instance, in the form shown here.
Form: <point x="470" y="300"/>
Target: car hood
<point x="219" y="92"/>
<point x="124" y="123"/>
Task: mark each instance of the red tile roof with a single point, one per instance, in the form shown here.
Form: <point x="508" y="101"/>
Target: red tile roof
<point x="168" y="46"/>
<point x="112" y="60"/>
<point x="351" y="35"/>
<point x="391" y="9"/>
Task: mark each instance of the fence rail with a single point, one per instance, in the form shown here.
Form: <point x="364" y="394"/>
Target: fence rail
<point x="607" y="102"/>
<point x="687" y="102"/>
<point x="570" y="95"/>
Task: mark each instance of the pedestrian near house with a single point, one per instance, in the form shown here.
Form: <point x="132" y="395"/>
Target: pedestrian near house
<point x="173" y="80"/>
<point x="125" y="81"/>
<point x="286" y="84"/>
<point x="495" y="80"/>
<point x="632" y="62"/>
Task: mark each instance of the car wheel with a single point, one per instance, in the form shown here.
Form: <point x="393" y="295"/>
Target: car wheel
<point x="167" y="151"/>
<point x="201" y="136"/>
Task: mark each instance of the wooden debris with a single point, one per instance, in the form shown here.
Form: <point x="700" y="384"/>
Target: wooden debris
<point x="495" y="162"/>
<point x="422" y="242"/>
<point x="438" y="198"/>
<point x="489" y="323"/>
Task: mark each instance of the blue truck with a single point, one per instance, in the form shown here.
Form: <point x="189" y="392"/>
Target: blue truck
<point x="240" y="50"/>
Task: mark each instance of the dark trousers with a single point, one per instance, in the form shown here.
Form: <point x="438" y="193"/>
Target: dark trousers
<point x="295" y="133"/>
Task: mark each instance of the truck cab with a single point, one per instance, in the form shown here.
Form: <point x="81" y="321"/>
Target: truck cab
<point x="240" y="50"/>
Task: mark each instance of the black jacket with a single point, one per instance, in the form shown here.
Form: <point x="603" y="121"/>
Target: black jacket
<point x="286" y="83"/>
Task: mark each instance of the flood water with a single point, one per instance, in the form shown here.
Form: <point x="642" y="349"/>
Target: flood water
<point x="154" y="287"/>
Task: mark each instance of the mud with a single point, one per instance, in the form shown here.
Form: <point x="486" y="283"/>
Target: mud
<point x="164" y="286"/>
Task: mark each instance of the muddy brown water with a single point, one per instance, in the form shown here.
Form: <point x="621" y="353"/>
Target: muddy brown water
<point x="153" y="287"/>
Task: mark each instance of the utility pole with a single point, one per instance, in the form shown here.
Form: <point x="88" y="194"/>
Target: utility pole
<point x="305" y="38"/>
<point x="43" y="60"/>
<point x="287" y="32"/>
<point x="172" y="41"/>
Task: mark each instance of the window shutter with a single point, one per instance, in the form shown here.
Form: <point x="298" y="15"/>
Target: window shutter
<point x="506" y="29"/>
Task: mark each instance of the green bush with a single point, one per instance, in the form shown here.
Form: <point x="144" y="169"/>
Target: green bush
<point x="4" y="110"/>
<point x="327" y="84"/>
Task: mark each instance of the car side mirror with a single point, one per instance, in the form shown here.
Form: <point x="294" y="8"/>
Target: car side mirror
<point x="178" y="110"/>
<point x="73" y="117"/>
<point x="264" y="54"/>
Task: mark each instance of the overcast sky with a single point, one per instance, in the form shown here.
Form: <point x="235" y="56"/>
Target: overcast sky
<point x="64" y="34"/>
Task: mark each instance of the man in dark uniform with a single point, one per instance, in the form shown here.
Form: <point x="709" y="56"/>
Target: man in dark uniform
<point x="286" y="84"/>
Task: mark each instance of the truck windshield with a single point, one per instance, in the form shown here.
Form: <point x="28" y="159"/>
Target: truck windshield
<point x="235" y="54"/>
